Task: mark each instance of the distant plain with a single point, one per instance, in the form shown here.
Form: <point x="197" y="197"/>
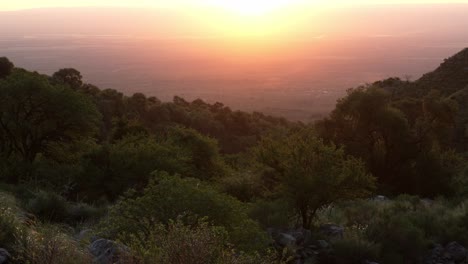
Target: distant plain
<point x="302" y="83"/>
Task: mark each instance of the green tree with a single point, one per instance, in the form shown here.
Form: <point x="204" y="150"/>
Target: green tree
<point x="110" y="170"/>
<point x="69" y="76"/>
<point x="397" y="140"/>
<point x="203" y="153"/>
<point x="34" y="115"/>
<point x="314" y="175"/>
<point x="6" y="67"/>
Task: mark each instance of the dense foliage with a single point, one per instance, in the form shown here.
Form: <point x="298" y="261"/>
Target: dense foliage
<point x="194" y="182"/>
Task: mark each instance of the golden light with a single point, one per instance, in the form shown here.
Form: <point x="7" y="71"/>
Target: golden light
<point x="252" y="19"/>
<point x="253" y="7"/>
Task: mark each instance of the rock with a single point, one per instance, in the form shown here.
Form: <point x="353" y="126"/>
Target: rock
<point x="322" y="244"/>
<point x="287" y="237"/>
<point x="435" y="255"/>
<point x="106" y="251"/>
<point x="427" y="202"/>
<point x="86" y="235"/>
<point x="332" y="231"/>
<point x="380" y="198"/>
<point x="302" y="236"/>
<point x="452" y="253"/>
<point x="4" y="256"/>
<point x="456" y="251"/>
<point x="286" y="240"/>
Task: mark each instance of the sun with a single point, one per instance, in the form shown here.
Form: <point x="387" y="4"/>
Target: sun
<point x="253" y="20"/>
<point x="252" y="7"/>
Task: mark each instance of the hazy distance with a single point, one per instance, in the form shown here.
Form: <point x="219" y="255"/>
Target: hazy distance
<point x="298" y="72"/>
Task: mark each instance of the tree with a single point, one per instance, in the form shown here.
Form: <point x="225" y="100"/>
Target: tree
<point x="6" y="67"/>
<point x="34" y="114"/>
<point x="201" y="152"/>
<point x="69" y="76"/>
<point x="314" y="175"/>
<point x="366" y="124"/>
<point x="396" y="139"/>
<point x="110" y="170"/>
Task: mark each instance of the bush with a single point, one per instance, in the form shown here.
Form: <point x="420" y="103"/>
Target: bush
<point x="178" y="243"/>
<point x="51" y="207"/>
<point x="244" y="186"/>
<point x="400" y="230"/>
<point x="82" y="212"/>
<point x="10" y="223"/>
<point x="48" y="206"/>
<point x="200" y="243"/>
<point x="48" y="245"/>
<point x="269" y="214"/>
<point x="168" y="197"/>
<point x="354" y="250"/>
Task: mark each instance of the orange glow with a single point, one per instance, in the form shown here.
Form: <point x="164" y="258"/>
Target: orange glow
<point x="253" y="7"/>
<point x="253" y="19"/>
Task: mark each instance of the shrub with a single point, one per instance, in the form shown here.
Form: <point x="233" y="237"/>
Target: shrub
<point x="168" y="197"/>
<point x="48" y="206"/>
<point x="9" y="227"/>
<point x="10" y="221"/>
<point x="47" y="245"/>
<point x="275" y="213"/>
<point x="51" y="207"/>
<point x="178" y="243"/>
<point x="354" y="250"/>
<point x="82" y="212"/>
<point x="244" y="186"/>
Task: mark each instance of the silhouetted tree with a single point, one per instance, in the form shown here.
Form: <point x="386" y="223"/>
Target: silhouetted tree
<point x="6" y="67"/>
<point x="70" y="77"/>
<point x="35" y="113"/>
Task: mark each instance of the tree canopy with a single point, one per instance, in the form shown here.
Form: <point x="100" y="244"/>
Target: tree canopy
<point x="314" y="175"/>
<point x="6" y="67"/>
<point x="35" y="114"/>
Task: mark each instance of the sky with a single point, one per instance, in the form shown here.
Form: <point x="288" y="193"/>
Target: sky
<point x="236" y="4"/>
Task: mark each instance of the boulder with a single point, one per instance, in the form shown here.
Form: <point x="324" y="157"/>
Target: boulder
<point x="322" y="244"/>
<point x="286" y="240"/>
<point x="4" y="256"/>
<point x="456" y="251"/>
<point x="302" y="235"/>
<point x="86" y="235"/>
<point x="107" y="251"/>
<point x="450" y="254"/>
<point x="288" y="237"/>
<point x="332" y="231"/>
<point x="380" y="198"/>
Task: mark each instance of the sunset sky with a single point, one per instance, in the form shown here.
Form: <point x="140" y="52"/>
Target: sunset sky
<point x="255" y="5"/>
<point x="213" y="47"/>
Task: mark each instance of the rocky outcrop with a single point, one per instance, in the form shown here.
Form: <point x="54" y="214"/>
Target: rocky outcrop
<point x="300" y="243"/>
<point x="452" y="253"/>
<point x="332" y="231"/>
<point x="4" y="256"/>
<point x="107" y="251"/>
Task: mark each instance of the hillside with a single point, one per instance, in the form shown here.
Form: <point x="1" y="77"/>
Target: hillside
<point x="451" y="76"/>
<point x="90" y="175"/>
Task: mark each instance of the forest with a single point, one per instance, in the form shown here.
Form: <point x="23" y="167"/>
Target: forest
<point x="90" y="175"/>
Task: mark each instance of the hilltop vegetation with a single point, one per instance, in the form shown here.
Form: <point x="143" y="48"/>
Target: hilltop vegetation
<point x="94" y="175"/>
